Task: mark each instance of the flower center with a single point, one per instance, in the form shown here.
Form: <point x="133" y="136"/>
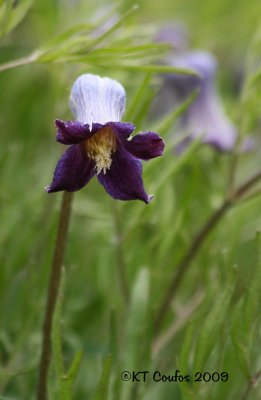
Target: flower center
<point x="100" y="148"/>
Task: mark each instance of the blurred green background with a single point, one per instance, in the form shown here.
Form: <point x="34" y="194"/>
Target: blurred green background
<point x="213" y="322"/>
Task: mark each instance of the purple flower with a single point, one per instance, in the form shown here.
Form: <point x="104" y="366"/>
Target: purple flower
<point x="205" y="117"/>
<point x="102" y="145"/>
<point x="175" y="34"/>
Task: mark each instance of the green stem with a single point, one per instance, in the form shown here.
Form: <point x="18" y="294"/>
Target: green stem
<point x="18" y="63"/>
<point x="53" y="289"/>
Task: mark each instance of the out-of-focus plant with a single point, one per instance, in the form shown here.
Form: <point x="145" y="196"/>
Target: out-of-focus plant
<point x="190" y="261"/>
<point x="97" y="45"/>
<point x="11" y="13"/>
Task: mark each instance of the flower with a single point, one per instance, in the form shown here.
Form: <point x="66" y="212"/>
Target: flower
<point x="175" y="34"/>
<point x="100" y="144"/>
<point x="205" y="117"/>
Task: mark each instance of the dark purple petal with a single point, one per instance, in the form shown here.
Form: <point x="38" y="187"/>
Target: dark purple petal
<point x="73" y="170"/>
<point x="123" y="181"/>
<point x="73" y="132"/>
<point x="122" y="130"/>
<point x="145" y="145"/>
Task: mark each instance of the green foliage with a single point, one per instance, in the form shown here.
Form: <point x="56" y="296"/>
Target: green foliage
<point x="11" y="13"/>
<point x="87" y="43"/>
<point x="103" y="387"/>
<point x="138" y="320"/>
<point x="251" y="93"/>
<point x="213" y="320"/>
<point x="65" y="379"/>
<point x="244" y="329"/>
<point x="213" y="323"/>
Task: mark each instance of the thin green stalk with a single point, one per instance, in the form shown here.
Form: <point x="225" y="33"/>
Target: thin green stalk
<point x="53" y="290"/>
<point x="18" y="63"/>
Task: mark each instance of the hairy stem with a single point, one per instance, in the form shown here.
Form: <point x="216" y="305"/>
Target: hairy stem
<point x="197" y="244"/>
<point x="18" y="63"/>
<point x="244" y="188"/>
<point x="53" y="289"/>
<point x="250" y="385"/>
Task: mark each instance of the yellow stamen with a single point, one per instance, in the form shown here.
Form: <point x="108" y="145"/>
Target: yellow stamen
<point x="100" y="148"/>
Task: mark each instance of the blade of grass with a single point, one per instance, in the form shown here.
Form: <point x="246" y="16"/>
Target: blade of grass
<point x="102" y="392"/>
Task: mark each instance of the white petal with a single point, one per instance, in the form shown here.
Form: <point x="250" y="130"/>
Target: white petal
<point x="96" y="99"/>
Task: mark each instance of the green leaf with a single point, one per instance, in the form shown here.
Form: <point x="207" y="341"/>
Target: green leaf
<point x="127" y="51"/>
<point x="114" y="26"/>
<point x="246" y="317"/>
<point x="79" y="40"/>
<point x="251" y="93"/>
<point x="75" y="366"/>
<point x="156" y="69"/>
<point x="184" y="358"/>
<point x="212" y="326"/>
<point x="60" y="49"/>
<point x="11" y="13"/>
<point x="140" y="96"/>
<point x="137" y="325"/>
<point x="253" y="298"/>
<point x="102" y="392"/>
<point x="68" y="34"/>
<point x="136" y="356"/>
<point x="238" y="340"/>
